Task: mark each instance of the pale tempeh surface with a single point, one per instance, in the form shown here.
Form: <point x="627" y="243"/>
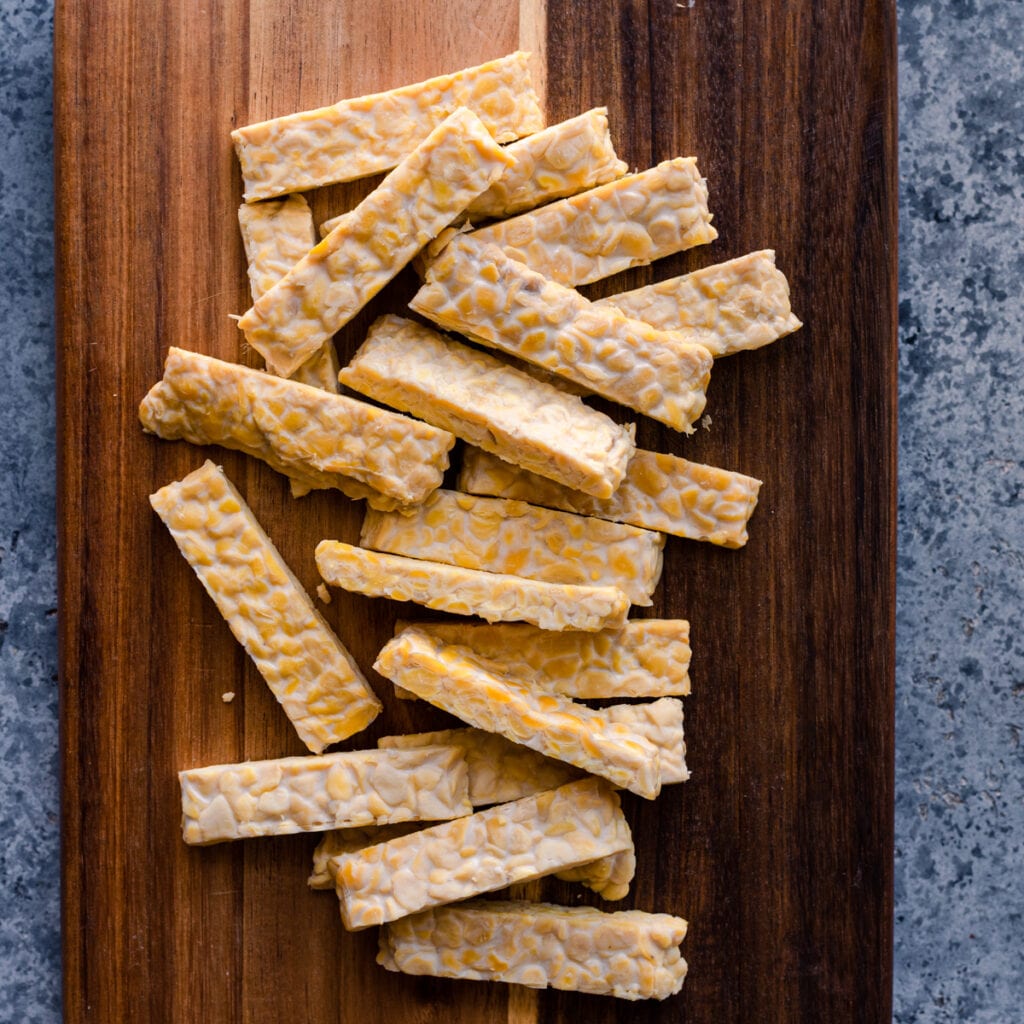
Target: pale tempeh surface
<point x="479" y="290"/>
<point x="313" y="794"/>
<point x="481" y="399"/>
<point x="502" y="536"/>
<point x="316" y="438"/>
<point x="661" y="723"/>
<point x="328" y="286"/>
<point x="492" y="596"/>
<point x="309" y="671"/>
<point x="350" y="840"/>
<point x="659" y="492"/>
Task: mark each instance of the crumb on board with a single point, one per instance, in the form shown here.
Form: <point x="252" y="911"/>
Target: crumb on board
<point x="705" y="421"/>
<point x="228" y="697"/>
<point x="323" y="593"/>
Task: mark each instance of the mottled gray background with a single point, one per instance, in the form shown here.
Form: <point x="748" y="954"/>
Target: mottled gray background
<point x="960" y="657"/>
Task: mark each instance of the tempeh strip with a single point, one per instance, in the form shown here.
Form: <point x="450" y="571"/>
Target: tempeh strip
<point x="309" y="671"/>
<point x="369" y="134"/>
<point x="481" y="399"/>
<point x="629" y="954"/>
<point x="729" y="307"/>
<point x="626" y="223"/>
<point x="321" y="440"/>
<point x="313" y="794"/>
<point x="328" y="286"/>
<point x="515" y="842"/>
<point x="478" y="290"/>
<point x="660" y="492"/>
<point x="350" y="840"/>
<point x="492" y="596"/>
<point x="661" y="723"/>
<point x="501" y="536"/>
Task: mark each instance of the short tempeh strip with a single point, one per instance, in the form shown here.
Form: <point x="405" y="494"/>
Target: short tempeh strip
<point x="492" y="596"/>
<point x="629" y="954"/>
<point x="480" y="291"/>
<point x="307" y="668"/>
<point x="626" y="223"/>
<point x="660" y="492"/>
<point x="318" y="439"/>
<point x="729" y="307"/>
<point x="328" y="286"/>
<point x="481" y="399"/>
<point x="369" y="134"/>
<point x="501" y="536"/>
<point x="313" y="794"/>
<point x="515" y="842"/>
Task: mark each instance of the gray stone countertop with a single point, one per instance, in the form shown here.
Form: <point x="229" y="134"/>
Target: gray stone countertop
<point x="959" y="924"/>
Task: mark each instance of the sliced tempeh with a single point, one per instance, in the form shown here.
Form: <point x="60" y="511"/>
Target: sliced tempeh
<point x="456" y="680"/>
<point x="319" y="439"/>
<point x="481" y="399"/>
<point x="448" y="588"/>
<point x="372" y="243"/>
<point x="501" y="536"/>
<point x="369" y="134"/>
<point x="626" y="223"/>
<point x="515" y="842"/>
<point x="729" y="307"/>
<point x="350" y="840"/>
<point x="480" y="291"/>
<point x="313" y="794"/>
<point x="660" y="492"/>
<point x="661" y="723"/>
<point x="629" y="954"/>
<point x="307" y="668"/>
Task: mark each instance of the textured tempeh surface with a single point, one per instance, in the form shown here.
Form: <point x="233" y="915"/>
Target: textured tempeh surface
<point x="312" y="675"/>
<point x="349" y="840"/>
<point x="492" y="596"/>
<point x="729" y="307"/>
<point x="661" y="723"/>
<point x="484" y="401"/>
<point x="626" y="223"/>
<point x="514" y="537"/>
<point x="480" y="291"/>
<point x="659" y="492"/>
<point x="312" y="794"/>
<point x="515" y="842"/>
<point x="316" y="438"/>
<point x="424" y="193"/>
<point x="629" y="953"/>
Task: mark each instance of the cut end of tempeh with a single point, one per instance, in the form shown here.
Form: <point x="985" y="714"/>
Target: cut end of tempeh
<point x="350" y="840"/>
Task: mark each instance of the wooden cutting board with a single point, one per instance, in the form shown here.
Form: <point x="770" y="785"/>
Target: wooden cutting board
<point x="779" y="849"/>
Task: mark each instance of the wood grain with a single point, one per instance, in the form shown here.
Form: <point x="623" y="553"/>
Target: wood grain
<point x="779" y="849"/>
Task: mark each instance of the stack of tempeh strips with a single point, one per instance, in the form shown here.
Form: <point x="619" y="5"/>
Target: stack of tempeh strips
<point x="558" y="525"/>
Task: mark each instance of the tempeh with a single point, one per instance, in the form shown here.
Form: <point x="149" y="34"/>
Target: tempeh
<point x="350" y="840"/>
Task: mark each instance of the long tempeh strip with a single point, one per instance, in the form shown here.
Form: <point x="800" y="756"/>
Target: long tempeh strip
<point x="321" y="440"/>
<point x="309" y="671"/>
<point x="492" y="596"/>
<point x="481" y="399"/>
<point x="515" y="842"/>
<point x="501" y="536"/>
<point x="369" y="134"/>
<point x="626" y="223"/>
<point x="329" y="285"/>
<point x="660" y="492"/>
<point x="313" y="794"/>
<point x="629" y="954"/>
<point x="350" y="840"/>
<point x="480" y="291"/>
<point x="729" y="307"/>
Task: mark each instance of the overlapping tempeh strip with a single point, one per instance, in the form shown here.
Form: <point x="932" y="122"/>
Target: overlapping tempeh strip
<point x="369" y="134"/>
<point x="515" y="842"/>
<point x="319" y="439"/>
<point x="313" y="794"/>
<point x="309" y="671"/>
<point x="329" y="285"/>
<point x="729" y="307"/>
<point x="492" y="596"/>
<point x="629" y="954"/>
<point x="456" y="680"/>
<point x="351" y="840"/>
<point x="501" y="536"/>
<point x="626" y="223"/>
<point x="276" y="235"/>
<point x="660" y="492"/>
<point x="481" y="399"/>
<point x="478" y="290"/>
